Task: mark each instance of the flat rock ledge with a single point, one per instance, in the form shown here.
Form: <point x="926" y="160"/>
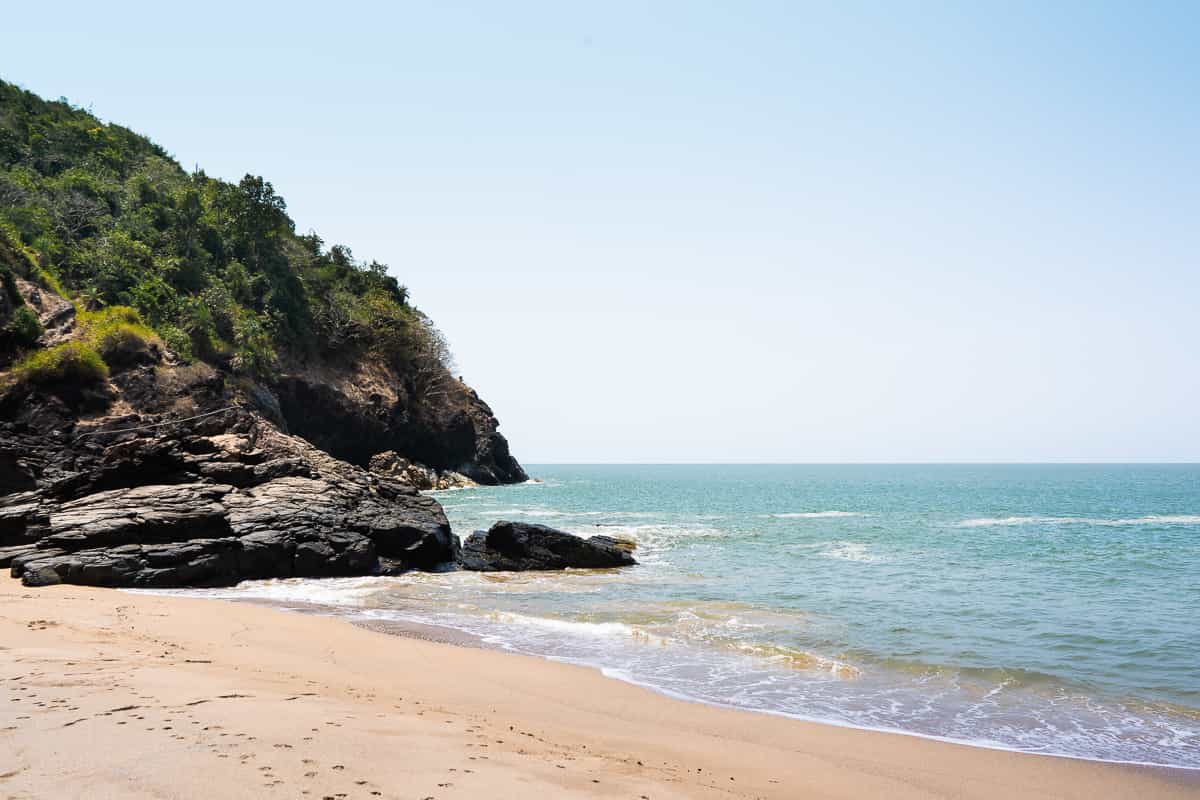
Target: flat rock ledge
<point x="240" y="501"/>
<point x="517" y="547"/>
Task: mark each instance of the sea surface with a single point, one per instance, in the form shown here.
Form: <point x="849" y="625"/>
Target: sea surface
<point x="1043" y="608"/>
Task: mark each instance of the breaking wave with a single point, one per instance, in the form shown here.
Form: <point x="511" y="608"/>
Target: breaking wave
<point x="1149" y="519"/>
<point x="814" y="515"/>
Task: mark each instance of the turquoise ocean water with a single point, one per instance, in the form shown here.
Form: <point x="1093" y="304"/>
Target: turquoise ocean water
<point x="1045" y="608"/>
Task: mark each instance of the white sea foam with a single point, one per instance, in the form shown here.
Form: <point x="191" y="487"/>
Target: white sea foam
<point x="332" y="592"/>
<point x="603" y="630"/>
<point x="542" y="511"/>
<point x="814" y="515"/>
<point x="621" y="514"/>
<point x="849" y="551"/>
<point x="1149" y="519"/>
<point x="985" y="522"/>
<point x="523" y="512"/>
<point x="651" y="538"/>
<point x="841" y="550"/>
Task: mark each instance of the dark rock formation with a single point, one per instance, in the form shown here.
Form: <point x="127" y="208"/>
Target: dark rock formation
<point x="516" y="546"/>
<point x="364" y="410"/>
<point x="209" y="501"/>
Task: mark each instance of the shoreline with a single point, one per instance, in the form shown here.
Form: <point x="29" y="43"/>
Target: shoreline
<point x="453" y="636"/>
<point x="229" y="699"/>
<point x="456" y="637"/>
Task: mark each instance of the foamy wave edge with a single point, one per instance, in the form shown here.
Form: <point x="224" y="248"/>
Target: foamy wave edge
<point x="814" y="515"/>
<point x="986" y="744"/>
<point x="1149" y="519"/>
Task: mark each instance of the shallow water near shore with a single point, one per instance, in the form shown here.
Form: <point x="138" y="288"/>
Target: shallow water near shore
<point x="1042" y="608"/>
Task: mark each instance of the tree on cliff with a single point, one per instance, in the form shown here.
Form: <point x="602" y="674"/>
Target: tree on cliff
<point x="432" y="361"/>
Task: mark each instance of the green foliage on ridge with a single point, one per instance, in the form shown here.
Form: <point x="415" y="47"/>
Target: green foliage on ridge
<point x="215" y="268"/>
<point x="73" y="362"/>
<point x="23" y="327"/>
<point x="116" y="333"/>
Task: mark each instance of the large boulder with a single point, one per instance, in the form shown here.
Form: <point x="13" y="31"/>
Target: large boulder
<point x="517" y="546"/>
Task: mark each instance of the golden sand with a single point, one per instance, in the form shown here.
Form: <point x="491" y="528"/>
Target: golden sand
<point x="106" y="694"/>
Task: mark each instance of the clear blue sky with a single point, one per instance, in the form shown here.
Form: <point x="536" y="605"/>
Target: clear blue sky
<point x="723" y="231"/>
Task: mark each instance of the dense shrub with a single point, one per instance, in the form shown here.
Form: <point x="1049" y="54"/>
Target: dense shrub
<point x="117" y="334"/>
<point x="19" y="326"/>
<point x="177" y="340"/>
<point x="23" y="329"/>
<point x="72" y="362"/>
<point x="8" y="284"/>
<point x="110" y="315"/>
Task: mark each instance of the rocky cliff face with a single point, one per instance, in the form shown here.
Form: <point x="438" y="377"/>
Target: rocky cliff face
<point x="357" y="411"/>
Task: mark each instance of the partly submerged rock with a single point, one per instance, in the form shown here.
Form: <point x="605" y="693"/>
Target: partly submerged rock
<point x="419" y="476"/>
<point x="517" y="546"/>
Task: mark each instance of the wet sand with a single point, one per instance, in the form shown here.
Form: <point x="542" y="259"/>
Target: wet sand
<point x="106" y="694"/>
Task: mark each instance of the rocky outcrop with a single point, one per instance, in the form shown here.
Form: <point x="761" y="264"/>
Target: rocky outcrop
<point x="517" y="546"/>
<point x="418" y="476"/>
<point x="360" y="410"/>
<point x="126" y="500"/>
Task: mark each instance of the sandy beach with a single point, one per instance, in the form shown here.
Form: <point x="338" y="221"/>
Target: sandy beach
<point x="109" y="694"/>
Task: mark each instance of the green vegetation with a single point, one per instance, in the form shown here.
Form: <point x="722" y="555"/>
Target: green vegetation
<point x="111" y="337"/>
<point x="73" y="362"/>
<point x="216" y="268"/>
<point x="19" y="326"/>
<point x="116" y="333"/>
<point x="23" y="327"/>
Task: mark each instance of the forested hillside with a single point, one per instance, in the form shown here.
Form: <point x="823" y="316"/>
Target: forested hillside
<point x="216" y="269"/>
